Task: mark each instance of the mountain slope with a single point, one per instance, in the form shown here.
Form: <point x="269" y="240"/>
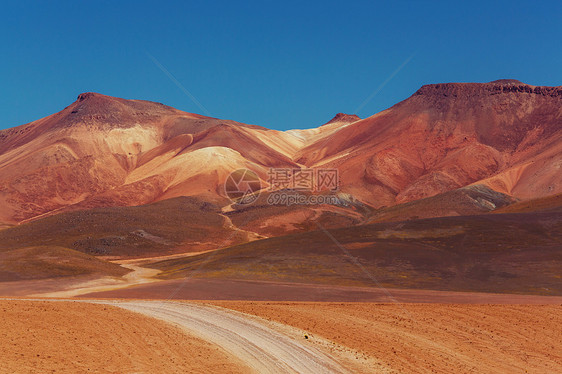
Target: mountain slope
<point x="470" y="200"/>
<point x="505" y="134"/>
<point x="172" y="226"/>
<point x="103" y="151"/>
<point x="505" y="253"/>
<point x="47" y="262"/>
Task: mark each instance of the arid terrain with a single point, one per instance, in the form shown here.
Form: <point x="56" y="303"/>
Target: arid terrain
<point x="426" y="338"/>
<point x="122" y="250"/>
<point x="359" y="337"/>
<point x="66" y="337"/>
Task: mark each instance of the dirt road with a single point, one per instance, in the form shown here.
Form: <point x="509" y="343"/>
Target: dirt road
<point x="261" y="348"/>
<point x="249" y="339"/>
<point x="139" y="275"/>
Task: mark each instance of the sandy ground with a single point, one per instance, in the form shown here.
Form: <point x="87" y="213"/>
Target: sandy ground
<point x="430" y="338"/>
<point x="67" y="337"/>
<point x="277" y="337"/>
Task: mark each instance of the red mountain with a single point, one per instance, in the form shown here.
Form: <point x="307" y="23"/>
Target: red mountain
<point x="504" y="134"/>
<point x="105" y="151"/>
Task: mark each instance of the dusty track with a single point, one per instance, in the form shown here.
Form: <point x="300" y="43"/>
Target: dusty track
<point x="258" y="346"/>
<point x="138" y="275"/>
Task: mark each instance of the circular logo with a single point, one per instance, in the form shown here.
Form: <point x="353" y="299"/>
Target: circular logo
<point x="242" y="186"/>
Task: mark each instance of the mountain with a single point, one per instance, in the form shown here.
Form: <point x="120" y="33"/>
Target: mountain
<point x="504" y="134"/>
<point x="108" y="179"/>
<point x="105" y="151"/>
<point x="501" y="139"/>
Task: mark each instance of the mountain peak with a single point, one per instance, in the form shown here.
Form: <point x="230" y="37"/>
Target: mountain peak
<point x="472" y="90"/>
<point x="88" y="95"/>
<point x="507" y="81"/>
<point x="343" y="117"/>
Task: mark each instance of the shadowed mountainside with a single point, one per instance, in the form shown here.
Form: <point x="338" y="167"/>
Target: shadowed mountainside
<point x="549" y="203"/>
<point x="513" y="253"/>
<point x="465" y="201"/>
<point x="47" y="262"/>
<point x="171" y="226"/>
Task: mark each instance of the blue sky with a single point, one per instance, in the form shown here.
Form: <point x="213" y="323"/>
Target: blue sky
<point x="282" y="64"/>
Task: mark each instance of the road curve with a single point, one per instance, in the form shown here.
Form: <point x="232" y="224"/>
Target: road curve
<point x="263" y="349"/>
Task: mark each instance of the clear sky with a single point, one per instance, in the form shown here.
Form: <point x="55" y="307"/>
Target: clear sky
<point x="281" y="64"/>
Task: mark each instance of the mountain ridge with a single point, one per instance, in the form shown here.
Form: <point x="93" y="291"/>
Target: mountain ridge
<point x="105" y="151"/>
